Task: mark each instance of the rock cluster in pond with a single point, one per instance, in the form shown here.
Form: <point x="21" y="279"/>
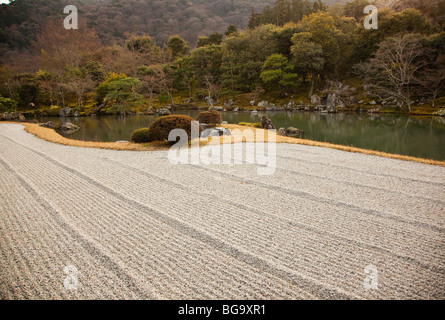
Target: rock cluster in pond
<point x="13" y="116"/>
<point x="266" y="123"/>
<point x="66" y="127"/>
<point x="65" y="112"/>
<point x="69" y="127"/>
<point x="49" y="125"/>
<point x="291" y="132"/>
<point x="329" y="103"/>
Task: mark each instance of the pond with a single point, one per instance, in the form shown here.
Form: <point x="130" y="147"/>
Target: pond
<point x="414" y="136"/>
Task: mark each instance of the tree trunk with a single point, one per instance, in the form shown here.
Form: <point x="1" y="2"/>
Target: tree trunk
<point x="313" y="85"/>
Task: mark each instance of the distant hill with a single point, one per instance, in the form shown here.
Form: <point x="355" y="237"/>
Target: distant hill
<point x="115" y="19"/>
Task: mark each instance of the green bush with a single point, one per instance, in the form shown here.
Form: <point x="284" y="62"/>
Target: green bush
<point x="161" y="128"/>
<point x="249" y="124"/>
<point x="163" y="97"/>
<point x="140" y="135"/>
<point x="53" y="111"/>
<point x="211" y="116"/>
<point x="7" y="104"/>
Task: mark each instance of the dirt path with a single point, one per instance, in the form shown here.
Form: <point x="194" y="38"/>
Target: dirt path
<point x="136" y="226"/>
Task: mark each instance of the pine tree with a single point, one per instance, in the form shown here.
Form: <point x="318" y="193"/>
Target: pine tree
<point x="253" y="19"/>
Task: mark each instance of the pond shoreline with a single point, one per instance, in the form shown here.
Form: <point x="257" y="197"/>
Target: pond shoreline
<point x="51" y="135"/>
<point x="30" y="115"/>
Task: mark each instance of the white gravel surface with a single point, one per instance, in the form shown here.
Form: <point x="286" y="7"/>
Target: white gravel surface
<point x="138" y="227"/>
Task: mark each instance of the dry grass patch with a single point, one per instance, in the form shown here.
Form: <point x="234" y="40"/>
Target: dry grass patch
<point x="52" y="136"/>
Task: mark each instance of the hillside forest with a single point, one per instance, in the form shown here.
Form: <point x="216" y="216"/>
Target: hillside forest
<point x="282" y="51"/>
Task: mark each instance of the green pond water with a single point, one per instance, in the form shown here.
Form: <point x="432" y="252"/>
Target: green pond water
<point x="415" y="136"/>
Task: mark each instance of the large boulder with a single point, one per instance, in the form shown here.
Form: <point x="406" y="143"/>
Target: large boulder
<point x="282" y="132"/>
<point x="331" y="103"/>
<point x="263" y="104"/>
<point x="315" y="99"/>
<point x="163" y="112"/>
<point x="209" y="101"/>
<point x="440" y="113"/>
<point x="266" y="123"/>
<point x="215" y="132"/>
<point x="290" y="105"/>
<point x="68" y="126"/>
<point x="65" y="112"/>
<point x="229" y="103"/>
<point x="293" y="132"/>
<point x="6" y="116"/>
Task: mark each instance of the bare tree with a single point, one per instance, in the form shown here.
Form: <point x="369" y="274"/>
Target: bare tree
<point x="393" y="70"/>
<point x="151" y="78"/>
<point x="432" y="81"/>
<point x="79" y="83"/>
<point x="63" y="50"/>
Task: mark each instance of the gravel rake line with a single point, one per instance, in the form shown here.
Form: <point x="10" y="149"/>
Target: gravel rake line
<point x="295" y="224"/>
<point x="34" y="160"/>
<point x="362" y="185"/>
<point x="164" y="265"/>
<point x="27" y="231"/>
<point x="125" y="186"/>
<point x="311" y="285"/>
<point x="439" y="184"/>
<point x="321" y="199"/>
<point x="412" y="289"/>
<point x="358" y="161"/>
<point x="86" y="244"/>
<point x="393" y="190"/>
<point x="198" y="179"/>
<point x="402" y="206"/>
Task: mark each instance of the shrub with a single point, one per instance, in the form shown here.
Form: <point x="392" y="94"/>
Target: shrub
<point x="248" y="124"/>
<point x="140" y="135"/>
<point x="211" y="116"/>
<point x="7" y="104"/>
<point x="52" y="111"/>
<point x="163" y="97"/>
<point x="161" y="128"/>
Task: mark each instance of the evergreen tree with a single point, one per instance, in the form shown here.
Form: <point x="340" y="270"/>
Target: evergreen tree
<point x="277" y="71"/>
